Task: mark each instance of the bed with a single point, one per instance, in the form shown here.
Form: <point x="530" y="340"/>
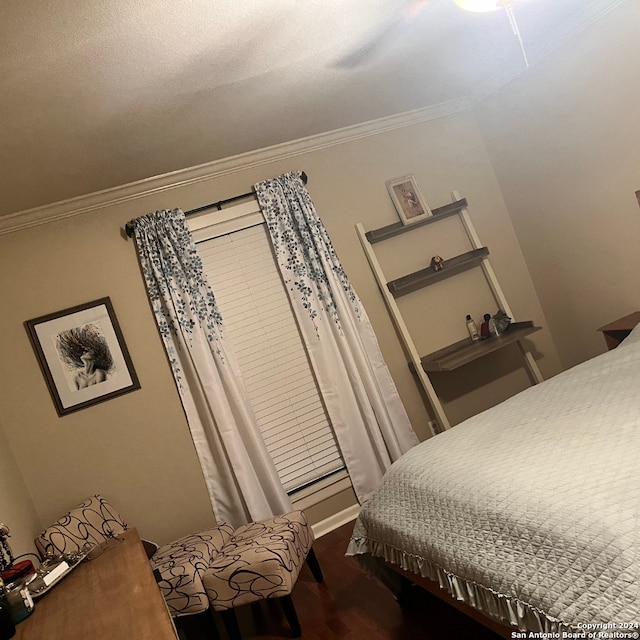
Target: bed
<point x="529" y="511"/>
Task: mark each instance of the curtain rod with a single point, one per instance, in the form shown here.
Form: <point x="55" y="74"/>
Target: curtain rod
<point x="218" y="205"/>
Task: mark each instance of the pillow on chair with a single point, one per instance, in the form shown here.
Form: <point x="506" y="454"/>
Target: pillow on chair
<point x="91" y="522"/>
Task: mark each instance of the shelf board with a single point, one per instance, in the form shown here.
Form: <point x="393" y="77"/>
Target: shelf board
<point x="425" y="277"/>
<point x="397" y="228"/>
<point x="465" y="351"/>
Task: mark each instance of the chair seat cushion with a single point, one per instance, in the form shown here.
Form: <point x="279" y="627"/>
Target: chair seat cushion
<point x="181" y="565"/>
<point x="261" y="560"/>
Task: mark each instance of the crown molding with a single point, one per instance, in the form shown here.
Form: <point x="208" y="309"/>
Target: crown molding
<point x="134" y="190"/>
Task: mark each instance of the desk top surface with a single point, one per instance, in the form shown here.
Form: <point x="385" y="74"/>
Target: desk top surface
<point x="113" y="596"/>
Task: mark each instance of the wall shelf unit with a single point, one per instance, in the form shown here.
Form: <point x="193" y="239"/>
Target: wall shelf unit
<point x="460" y="353"/>
<point x="397" y="228"/>
<point x="425" y="277"/>
<point x="453" y="356"/>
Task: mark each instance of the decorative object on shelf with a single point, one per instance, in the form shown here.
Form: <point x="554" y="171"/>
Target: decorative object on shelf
<point x="484" y="327"/>
<point x="472" y="328"/>
<point x="408" y="200"/>
<point x="437" y="263"/>
<point x="501" y="322"/>
<point x="6" y="557"/>
<point x="83" y="355"/>
<point x="14" y="575"/>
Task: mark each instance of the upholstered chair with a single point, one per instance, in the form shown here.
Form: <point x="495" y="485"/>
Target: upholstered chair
<point x="220" y="568"/>
<point x="261" y="560"/>
<point x="178" y="566"/>
<point x="181" y="565"/>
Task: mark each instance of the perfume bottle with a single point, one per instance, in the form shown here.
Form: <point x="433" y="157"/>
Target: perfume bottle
<point x="472" y="329"/>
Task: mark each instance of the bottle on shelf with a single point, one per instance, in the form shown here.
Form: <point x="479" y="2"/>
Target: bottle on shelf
<point x="485" y="331"/>
<point x="7" y="628"/>
<point x="472" y="328"/>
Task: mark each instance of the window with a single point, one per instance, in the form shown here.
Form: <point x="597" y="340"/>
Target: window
<point x="262" y="331"/>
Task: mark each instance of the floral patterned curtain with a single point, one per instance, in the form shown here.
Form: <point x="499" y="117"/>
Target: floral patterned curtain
<point x="370" y="422"/>
<point x="240" y="476"/>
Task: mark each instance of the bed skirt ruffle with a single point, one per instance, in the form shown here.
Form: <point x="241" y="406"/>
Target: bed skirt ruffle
<point x="498" y="606"/>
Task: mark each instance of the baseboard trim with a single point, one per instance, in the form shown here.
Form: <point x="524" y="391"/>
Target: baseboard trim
<point x="337" y="520"/>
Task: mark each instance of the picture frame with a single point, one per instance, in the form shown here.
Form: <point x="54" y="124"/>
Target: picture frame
<point x="408" y="200"/>
<point x="83" y="356"/>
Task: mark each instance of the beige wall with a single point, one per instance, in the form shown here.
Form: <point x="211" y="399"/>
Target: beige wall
<point x="122" y="448"/>
<point x="565" y="143"/>
<point x="136" y="449"/>
<point x="16" y="507"/>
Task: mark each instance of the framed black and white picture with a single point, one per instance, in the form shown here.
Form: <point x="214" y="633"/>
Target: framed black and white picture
<point x="83" y="355"/>
<point x="408" y="200"/>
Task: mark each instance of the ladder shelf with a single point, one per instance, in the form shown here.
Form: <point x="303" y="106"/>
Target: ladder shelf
<point x="456" y="355"/>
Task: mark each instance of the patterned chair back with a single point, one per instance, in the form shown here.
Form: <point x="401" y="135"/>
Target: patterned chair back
<point x="91" y="522"/>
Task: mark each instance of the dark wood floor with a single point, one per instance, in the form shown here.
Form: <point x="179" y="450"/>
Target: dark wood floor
<point x="350" y="605"/>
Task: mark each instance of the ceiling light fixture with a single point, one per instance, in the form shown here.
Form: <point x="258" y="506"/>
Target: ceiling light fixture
<point x="480" y="6"/>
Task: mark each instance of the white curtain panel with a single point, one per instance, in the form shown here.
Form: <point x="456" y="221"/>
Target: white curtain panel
<point x="240" y="476"/>
<point x="369" y="419"/>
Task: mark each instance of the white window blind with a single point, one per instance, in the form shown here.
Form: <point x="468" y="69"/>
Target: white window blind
<point x="260" y="326"/>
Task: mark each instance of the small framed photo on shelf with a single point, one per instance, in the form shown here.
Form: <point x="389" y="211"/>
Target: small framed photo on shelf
<point x="408" y="200"/>
<point x="82" y="355"/>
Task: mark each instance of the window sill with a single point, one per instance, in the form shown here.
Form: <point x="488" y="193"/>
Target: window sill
<point x="322" y="490"/>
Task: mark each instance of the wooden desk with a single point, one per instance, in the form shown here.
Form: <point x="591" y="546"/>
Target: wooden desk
<point x="113" y="596"/>
<point x="615" y="332"/>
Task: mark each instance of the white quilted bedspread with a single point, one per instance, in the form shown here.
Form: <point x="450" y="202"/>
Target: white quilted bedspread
<point x="536" y="499"/>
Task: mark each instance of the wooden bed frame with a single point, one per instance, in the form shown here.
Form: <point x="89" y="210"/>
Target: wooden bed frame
<point x="434" y="588"/>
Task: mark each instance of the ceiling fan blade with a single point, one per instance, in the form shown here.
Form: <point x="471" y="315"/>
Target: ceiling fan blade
<point x="370" y="47"/>
<point x="387" y="33"/>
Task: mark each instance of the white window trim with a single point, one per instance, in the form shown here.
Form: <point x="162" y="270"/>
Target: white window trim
<point x="321" y="490"/>
<point x="220" y="223"/>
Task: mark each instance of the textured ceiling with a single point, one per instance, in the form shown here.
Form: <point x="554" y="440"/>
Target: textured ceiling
<point x="95" y="94"/>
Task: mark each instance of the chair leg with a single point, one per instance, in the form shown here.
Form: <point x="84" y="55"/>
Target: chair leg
<point x="291" y="615"/>
<point x="197" y="626"/>
<point x="208" y="625"/>
<point x="314" y="565"/>
<point x="231" y="624"/>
